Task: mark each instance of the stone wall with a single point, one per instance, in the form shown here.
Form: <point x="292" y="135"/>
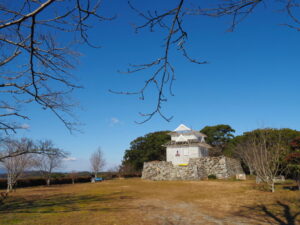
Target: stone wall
<point x="233" y="167"/>
<point x="198" y="168"/>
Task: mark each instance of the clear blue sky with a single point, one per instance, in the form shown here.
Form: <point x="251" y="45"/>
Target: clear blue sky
<point x="252" y="80"/>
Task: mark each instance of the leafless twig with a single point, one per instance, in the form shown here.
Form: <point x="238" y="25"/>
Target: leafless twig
<point x="164" y="74"/>
<point x="35" y="63"/>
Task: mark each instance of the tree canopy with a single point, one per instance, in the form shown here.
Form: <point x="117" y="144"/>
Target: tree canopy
<point x="295" y="144"/>
<point x="293" y="165"/>
<point x="146" y="148"/>
<point x="218" y="136"/>
<point x="285" y="136"/>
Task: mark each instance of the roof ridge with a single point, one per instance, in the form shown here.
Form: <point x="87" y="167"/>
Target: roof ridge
<point x="182" y="127"/>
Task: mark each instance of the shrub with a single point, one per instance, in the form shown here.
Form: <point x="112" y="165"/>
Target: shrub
<point x="108" y="175"/>
<point x="83" y="179"/>
<point x="212" y="177"/>
<point x="30" y="182"/>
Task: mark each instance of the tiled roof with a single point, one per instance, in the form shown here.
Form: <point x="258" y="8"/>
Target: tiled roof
<point x="182" y="127"/>
<point x="187" y="143"/>
<point x="173" y="133"/>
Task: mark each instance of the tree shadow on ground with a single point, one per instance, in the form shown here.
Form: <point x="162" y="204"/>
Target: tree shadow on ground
<point x="291" y="188"/>
<point x="65" y="203"/>
<point x="279" y="213"/>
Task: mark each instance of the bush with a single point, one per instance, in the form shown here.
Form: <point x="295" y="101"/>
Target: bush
<point x="30" y="182"/>
<point x="109" y="175"/>
<point x="130" y="175"/>
<point x="82" y="179"/>
<point x="212" y="177"/>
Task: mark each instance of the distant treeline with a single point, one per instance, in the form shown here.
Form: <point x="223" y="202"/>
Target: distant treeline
<point x="30" y="182"/>
<point x="33" y="178"/>
<point x="38" y="174"/>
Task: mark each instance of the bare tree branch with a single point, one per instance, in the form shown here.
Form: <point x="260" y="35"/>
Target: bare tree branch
<point x="10" y="148"/>
<point x="34" y="65"/>
<point x="164" y="73"/>
<point x="37" y="39"/>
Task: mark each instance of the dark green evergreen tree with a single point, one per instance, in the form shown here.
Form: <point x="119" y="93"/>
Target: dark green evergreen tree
<point x="146" y="148"/>
<point x="218" y="137"/>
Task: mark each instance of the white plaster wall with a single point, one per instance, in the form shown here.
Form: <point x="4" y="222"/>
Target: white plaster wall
<point x="171" y="155"/>
<point x="185" y="154"/>
<point x="194" y="152"/>
<point x="182" y="159"/>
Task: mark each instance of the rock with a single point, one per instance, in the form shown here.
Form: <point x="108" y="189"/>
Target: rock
<point x="279" y="179"/>
<point x="240" y="176"/>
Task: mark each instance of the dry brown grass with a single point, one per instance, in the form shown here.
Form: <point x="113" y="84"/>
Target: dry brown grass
<point x="135" y="201"/>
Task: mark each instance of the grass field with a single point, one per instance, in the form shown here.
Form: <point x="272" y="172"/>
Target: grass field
<point x="136" y="201"/>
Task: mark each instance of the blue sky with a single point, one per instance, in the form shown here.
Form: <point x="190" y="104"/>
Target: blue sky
<point x="251" y="81"/>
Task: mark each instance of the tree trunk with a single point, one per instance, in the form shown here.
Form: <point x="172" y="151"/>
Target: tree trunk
<point x="73" y="181"/>
<point x="48" y="181"/>
<point x="9" y="188"/>
<point x="9" y="184"/>
<point x="250" y="170"/>
<point x="273" y="187"/>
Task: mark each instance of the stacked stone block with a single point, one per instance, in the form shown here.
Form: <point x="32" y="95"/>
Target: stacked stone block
<point x="198" y="168"/>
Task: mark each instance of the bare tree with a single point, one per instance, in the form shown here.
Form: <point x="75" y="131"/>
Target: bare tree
<point x="244" y="151"/>
<point x="73" y="175"/>
<point x="263" y="152"/>
<point x="97" y="161"/>
<point x="16" y="165"/>
<point x="49" y="161"/>
<point x="37" y="56"/>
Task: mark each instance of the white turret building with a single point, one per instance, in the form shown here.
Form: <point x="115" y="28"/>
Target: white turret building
<point x="185" y="144"/>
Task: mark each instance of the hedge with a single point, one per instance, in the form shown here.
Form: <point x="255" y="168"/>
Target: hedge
<point x="30" y="182"/>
